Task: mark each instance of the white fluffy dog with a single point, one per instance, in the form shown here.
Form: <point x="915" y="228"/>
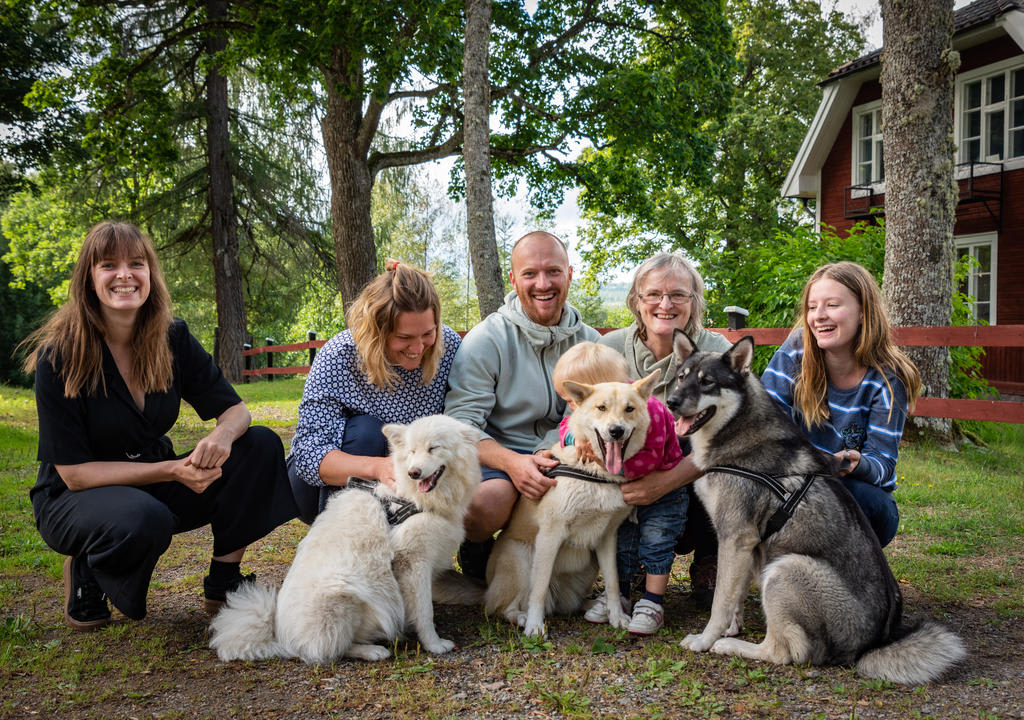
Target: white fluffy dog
<point x="356" y="580"/>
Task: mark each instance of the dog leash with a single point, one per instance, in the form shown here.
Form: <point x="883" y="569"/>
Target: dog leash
<point x="396" y="509"/>
<point x="789" y="500"/>
<point x="574" y="472"/>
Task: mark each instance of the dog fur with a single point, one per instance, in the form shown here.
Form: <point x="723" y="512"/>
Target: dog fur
<point x="827" y="592"/>
<point x="544" y="561"/>
<point x="355" y="582"/>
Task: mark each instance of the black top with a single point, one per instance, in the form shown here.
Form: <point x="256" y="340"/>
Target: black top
<point x="109" y="426"/>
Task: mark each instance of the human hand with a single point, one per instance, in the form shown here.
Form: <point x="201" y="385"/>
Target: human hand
<point x="848" y="461"/>
<point x="196" y="479"/>
<point x="585" y="452"/>
<point x="650" y="488"/>
<point x="527" y="476"/>
<point x="384" y="471"/>
<point x="210" y="452"/>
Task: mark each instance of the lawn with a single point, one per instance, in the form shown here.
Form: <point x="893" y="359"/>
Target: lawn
<point x="959" y="557"/>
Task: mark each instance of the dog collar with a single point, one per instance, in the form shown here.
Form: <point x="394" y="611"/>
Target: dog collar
<point x="575" y="472"/>
<point x="396" y="509"/>
<point x="789" y="499"/>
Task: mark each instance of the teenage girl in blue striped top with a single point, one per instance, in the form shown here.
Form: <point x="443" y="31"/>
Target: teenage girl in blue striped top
<point x="848" y="386"/>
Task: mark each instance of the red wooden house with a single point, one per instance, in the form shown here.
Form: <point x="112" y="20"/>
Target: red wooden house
<point x="840" y="163"/>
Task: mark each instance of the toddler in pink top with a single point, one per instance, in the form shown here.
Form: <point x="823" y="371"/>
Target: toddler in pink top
<point x="646" y="541"/>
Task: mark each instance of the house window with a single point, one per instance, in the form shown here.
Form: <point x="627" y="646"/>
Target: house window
<point x="980" y="283"/>
<point x="992" y="117"/>
<point x="867" y="146"/>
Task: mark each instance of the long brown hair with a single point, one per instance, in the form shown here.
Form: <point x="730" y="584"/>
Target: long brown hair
<point x="74" y="333"/>
<point x="374" y="315"/>
<point x="873" y="346"/>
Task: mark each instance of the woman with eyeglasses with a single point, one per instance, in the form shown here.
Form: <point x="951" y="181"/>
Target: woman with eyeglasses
<point x="668" y="294"/>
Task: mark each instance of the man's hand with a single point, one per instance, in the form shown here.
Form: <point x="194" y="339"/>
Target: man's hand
<point x="526" y="473"/>
<point x="657" y="484"/>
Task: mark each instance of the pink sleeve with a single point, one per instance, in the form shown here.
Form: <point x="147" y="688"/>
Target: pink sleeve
<point x="666" y="422"/>
<point x="563" y="430"/>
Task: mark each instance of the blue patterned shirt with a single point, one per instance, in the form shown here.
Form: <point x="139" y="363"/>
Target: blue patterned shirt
<point x="866" y="418"/>
<point x="337" y="389"/>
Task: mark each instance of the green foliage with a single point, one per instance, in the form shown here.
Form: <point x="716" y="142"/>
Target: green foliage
<point x="24" y="310"/>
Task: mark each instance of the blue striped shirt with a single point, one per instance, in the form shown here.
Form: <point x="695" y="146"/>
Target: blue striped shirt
<point x="867" y="418"/>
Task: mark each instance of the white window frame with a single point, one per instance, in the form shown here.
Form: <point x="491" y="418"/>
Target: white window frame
<point x="1006" y="68"/>
<point x="971" y="243"/>
<point x="877" y="171"/>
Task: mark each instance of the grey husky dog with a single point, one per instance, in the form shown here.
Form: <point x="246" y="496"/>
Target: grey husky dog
<point x="782" y="518"/>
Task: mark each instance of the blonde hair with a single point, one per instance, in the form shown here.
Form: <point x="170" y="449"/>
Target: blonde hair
<point x="667" y="262"/>
<point x="590" y="363"/>
<point x="873" y="345"/>
<point x="74" y="333"/>
<point x="373" y="316"/>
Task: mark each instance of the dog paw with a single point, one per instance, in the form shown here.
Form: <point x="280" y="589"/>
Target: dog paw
<point x="734" y="628"/>
<point x="439" y="647"/>
<point x="620" y="623"/>
<point x="371" y="653"/>
<point x="535" y="630"/>
<point x="726" y="646"/>
<point x="697" y="643"/>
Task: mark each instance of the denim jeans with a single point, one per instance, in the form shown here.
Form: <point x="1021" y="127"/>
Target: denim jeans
<point x="879" y="507"/>
<point x="648" y="545"/>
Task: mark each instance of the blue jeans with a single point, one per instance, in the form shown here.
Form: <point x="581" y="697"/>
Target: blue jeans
<point x="363" y="436"/>
<point x="879" y="507"/>
<point x="648" y="545"/>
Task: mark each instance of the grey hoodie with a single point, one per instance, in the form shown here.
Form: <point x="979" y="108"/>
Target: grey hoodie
<point x="501" y="378"/>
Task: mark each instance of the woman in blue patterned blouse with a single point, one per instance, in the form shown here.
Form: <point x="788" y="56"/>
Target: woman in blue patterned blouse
<point x="391" y="365"/>
<point x="848" y="386"/>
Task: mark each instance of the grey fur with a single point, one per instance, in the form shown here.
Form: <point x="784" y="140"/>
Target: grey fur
<point x="827" y="592"/>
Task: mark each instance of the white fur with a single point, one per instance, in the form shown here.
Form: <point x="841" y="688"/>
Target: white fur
<point x="354" y="581"/>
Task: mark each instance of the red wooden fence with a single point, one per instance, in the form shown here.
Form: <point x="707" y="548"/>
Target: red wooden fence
<point x="975" y="335"/>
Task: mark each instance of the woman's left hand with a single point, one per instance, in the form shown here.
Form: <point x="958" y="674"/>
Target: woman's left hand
<point x="210" y="452"/>
<point x="848" y="461"/>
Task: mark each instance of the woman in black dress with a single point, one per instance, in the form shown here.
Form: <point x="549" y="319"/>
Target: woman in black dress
<point x="112" y="366"/>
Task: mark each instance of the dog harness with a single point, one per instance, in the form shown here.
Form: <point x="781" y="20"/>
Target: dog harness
<point x="789" y="500"/>
<point x="396" y="509"/>
<point x="574" y="472"/>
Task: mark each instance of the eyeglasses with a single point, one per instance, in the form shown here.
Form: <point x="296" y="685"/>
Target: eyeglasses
<point x="676" y="297"/>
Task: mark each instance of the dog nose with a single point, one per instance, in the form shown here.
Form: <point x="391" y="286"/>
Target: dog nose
<point x="415" y="473"/>
<point x="616" y="431"/>
<point x="673" y="402"/>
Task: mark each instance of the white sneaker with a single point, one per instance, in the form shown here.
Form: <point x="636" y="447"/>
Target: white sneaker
<point x="648" y="617"/>
<point x="598" y="612"/>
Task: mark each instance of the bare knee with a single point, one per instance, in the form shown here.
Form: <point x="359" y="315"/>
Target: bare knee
<point x="490" y="509"/>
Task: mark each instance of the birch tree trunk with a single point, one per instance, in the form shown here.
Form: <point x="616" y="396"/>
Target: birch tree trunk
<point x="483" y="246"/>
<point x="227" y="271"/>
<point x="918" y="69"/>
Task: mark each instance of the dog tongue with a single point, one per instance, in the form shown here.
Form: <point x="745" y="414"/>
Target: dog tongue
<point x="423" y="485"/>
<point x="683" y="425"/>
<point x="613" y="458"/>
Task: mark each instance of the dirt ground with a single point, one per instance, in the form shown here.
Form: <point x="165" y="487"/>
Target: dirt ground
<point x="162" y="668"/>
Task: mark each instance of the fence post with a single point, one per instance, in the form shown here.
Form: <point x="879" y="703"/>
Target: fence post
<point x="311" y="336"/>
<point x="270" y="359"/>
<point x="248" y="361"/>
<point x="737" y="317"/>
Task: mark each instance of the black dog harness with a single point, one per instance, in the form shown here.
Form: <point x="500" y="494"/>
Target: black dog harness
<point x="789" y="500"/>
<point x="574" y="472"/>
<point x="396" y="509"/>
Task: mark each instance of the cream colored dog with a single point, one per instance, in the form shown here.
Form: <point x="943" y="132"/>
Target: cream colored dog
<point x="356" y="581"/>
<point x="544" y="561"/>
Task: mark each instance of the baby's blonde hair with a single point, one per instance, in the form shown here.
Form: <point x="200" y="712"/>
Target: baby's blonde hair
<point x="590" y="363"/>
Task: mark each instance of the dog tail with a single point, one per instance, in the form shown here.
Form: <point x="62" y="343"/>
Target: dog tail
<point x="244" y="627"/>
<point x="921" y="653"/>
<point x="454" y="588"/>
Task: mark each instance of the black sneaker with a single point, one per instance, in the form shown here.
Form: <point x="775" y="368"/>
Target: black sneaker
<point x="215" y="594"/>
<point x="473" y="558"/>
<point x="85" y="603"/>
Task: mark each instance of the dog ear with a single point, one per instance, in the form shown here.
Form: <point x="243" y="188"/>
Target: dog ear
<point x="577" y="391"/>
<point x="741" y="355"/>
<point x="646" y="386"/>
<point x="395" y="433"/>
<point x="683" y="346"/>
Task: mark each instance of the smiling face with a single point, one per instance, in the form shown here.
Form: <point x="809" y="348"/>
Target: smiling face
<point x="541" y="275"/>
<point x="121" y="284"/>
<point x="833" y="315"/>
<point x="414" y="333"/>
<point x="664" y="318"/>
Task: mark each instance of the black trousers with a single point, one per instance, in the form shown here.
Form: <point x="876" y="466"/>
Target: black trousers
<point x="122" y="531"/>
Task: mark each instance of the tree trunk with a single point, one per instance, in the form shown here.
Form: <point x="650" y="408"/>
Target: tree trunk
<point x="227" y="271"/>
<point x="483" y="246"/>
<point x="918" y="69"/>
<point x="351" y="185"/>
